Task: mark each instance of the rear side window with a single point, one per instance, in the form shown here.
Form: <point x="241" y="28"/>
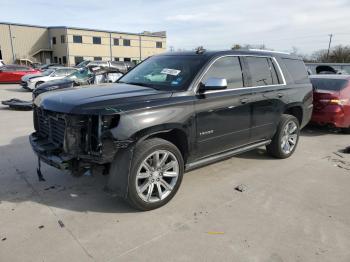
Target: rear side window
<point x="262" y="71"/>
<point x="228" y="68"/>
<point x="297" y="70"/>
<point x="329" y="84"/>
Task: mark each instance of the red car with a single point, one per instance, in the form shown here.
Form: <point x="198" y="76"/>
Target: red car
<point x="332" y="101"/>
<point x="14" y="73"/>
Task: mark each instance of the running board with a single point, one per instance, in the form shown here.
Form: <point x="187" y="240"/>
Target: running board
<point x="224" y="155"/>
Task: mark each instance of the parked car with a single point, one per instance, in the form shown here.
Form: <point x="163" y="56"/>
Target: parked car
<point x="332" y="101"/>
<point x="55" y="74"/>
<point x="47" y="66"/>
<point x="85" y="76"/>
<point x="172" y="113"/>
<point x="14" y="73"/>
<point x="82" y="76"/>
<point x="121" y="66"/>
<point x="2" y="63"/>
<point x="26" y="78"/>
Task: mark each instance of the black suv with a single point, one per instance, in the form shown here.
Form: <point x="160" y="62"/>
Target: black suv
<point x="172" y="113"/>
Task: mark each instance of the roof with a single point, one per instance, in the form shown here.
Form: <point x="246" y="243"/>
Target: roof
<point x="145" y="33"/>
<point x="213" y="53"/>
<point x="330" y="76"/>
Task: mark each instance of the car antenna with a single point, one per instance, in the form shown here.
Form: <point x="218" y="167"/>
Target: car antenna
<point x="200" y="50"/>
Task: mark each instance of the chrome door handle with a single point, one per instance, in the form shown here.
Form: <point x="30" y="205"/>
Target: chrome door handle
<point x="280" y="95"/>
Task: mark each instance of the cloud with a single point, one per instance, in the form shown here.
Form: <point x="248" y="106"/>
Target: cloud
<point x="186" y="17"/>
<point x="304" y="24"/>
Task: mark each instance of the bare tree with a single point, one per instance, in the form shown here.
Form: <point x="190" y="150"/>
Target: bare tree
<point x="338" y="54"/>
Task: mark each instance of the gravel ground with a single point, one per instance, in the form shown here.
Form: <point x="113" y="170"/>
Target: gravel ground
<point x="247" y="208"/>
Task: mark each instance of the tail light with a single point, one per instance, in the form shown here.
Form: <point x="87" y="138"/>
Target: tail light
<point x="335" y="101"/>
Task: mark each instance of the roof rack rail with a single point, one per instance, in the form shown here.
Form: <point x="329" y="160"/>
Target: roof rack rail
<point x="271" y="51"/>
<point x="200" y="50"/>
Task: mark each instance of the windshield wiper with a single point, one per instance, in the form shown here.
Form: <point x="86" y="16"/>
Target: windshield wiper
<point x="138" y="84"/>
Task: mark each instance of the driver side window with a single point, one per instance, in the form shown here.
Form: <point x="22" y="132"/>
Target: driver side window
<point x="229" y="68"/>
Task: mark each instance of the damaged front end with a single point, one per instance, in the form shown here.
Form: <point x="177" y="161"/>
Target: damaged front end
<point x="75" y="142"/>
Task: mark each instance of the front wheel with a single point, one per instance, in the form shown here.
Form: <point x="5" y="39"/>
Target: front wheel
<point x="286" y="137"/>
<point x="156" y="174"/>
<point x="38" y="84"/>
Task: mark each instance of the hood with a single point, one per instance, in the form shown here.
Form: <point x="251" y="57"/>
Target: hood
<point x="59" y="82"/>
<point x="103" y="99"/>
<point x="25" y="78"/>
<point x="52" y="85"/>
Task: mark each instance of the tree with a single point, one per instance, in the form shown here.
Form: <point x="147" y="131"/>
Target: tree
<point x="338" y="54"/>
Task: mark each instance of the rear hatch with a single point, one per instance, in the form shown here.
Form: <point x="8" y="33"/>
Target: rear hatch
<point x="327" y="91"/>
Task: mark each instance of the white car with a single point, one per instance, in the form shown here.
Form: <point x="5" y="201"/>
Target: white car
<point x="56" y="74"/>
<point x="2" y="63"/>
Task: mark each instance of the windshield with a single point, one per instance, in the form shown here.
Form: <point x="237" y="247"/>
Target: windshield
<point x="165" y="72"/>
<point x="82" y="64"/>
<point x="329" y="84"/>
<point x="80" y="74"/>
<point x="47" y="72"/>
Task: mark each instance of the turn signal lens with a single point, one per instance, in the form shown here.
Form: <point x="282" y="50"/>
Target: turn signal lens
<point x="339" y="101"/>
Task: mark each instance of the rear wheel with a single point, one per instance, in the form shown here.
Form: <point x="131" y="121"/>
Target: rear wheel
<point x="286" y="137"/>
<point x="156" y="174"/>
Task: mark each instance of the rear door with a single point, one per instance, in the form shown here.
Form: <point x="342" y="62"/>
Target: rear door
<point x="223" y="116"/>
<point x="267" y="85"/>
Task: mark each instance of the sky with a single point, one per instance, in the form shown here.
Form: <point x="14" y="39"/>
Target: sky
<point x="215" y="24"/>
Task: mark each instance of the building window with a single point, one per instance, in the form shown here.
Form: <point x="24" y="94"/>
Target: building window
<point x="97" y="58"/>
<point x="53" y="40"/>
<point x="127" y="59"/>
<point x="55" y="60"/>
<point x="63" y="39"/>
<point x="96" y="40"/>
<point x="64" y="60"/>
<point x="116" y="41"/>
<point x="77" y="39"/>
<point x="159" y="45"/>
<point x="78" y="59"/>
<point x="116" y="58"/>
<point x="126" y="42"/>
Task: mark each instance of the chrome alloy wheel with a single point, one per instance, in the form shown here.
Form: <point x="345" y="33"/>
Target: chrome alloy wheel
<point x="290" y="137"/>
<point x="157" y="176"/>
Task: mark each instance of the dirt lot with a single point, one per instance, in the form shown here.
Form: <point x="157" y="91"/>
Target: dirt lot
<point x="296" y="209"/>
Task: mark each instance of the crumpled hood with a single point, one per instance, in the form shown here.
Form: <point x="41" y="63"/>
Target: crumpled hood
<point x="103" y="99"/>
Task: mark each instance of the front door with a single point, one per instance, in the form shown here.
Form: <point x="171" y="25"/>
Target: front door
<point x="223" y="117"/>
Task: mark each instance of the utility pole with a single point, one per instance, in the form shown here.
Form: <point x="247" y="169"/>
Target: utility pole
<point x="11" y="41"/>
<point x="329" y="45"/>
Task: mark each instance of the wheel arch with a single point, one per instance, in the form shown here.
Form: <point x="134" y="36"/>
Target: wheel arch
<point x="295" y="110"/>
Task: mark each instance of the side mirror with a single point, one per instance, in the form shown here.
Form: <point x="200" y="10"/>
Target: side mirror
<point x="214" y="83"/>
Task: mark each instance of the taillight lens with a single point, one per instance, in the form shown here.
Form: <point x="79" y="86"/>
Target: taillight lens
<point x="340" y="102"/>
<point x="335" y="101"/>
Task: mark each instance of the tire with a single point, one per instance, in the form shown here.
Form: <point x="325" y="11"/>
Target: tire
<point x="144" y="172"/>
<point x="346" y="130"/>
<point x="38" y="84"/>
<point x="276" y="148"/>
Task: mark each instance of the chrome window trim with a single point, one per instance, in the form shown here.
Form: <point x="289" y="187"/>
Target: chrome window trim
<point x="238" y="88"/>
